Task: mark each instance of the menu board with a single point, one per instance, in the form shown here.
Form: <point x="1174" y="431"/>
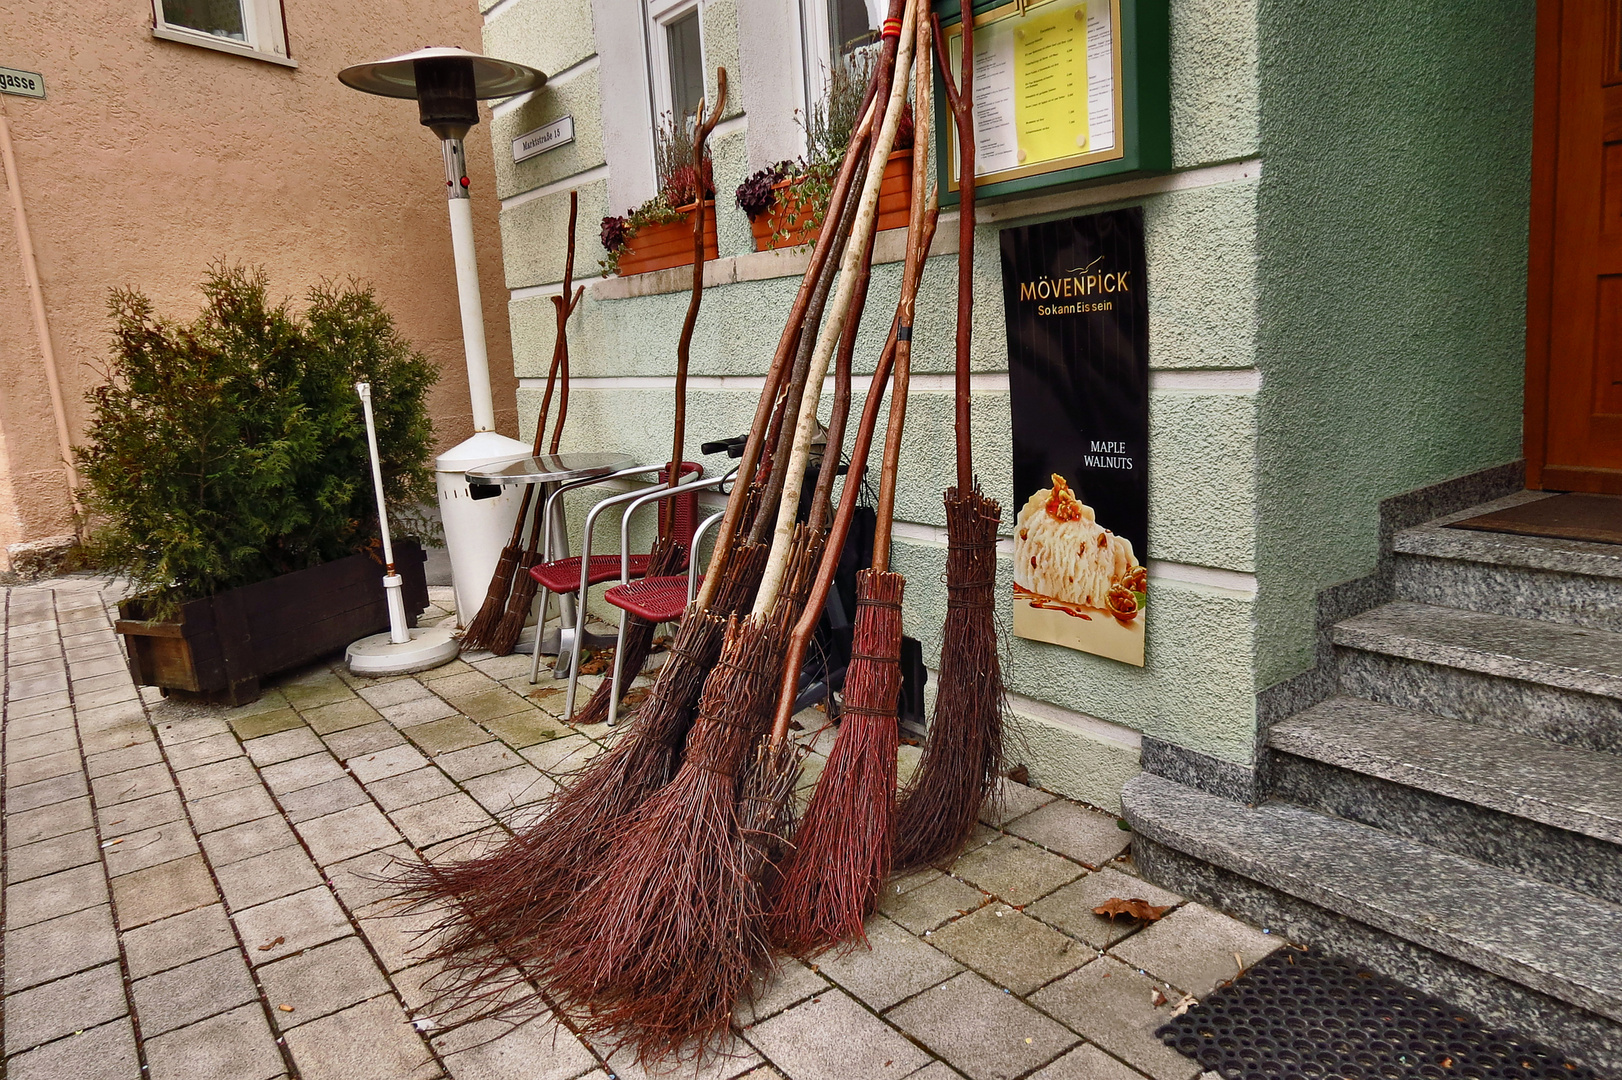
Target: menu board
<point x="1046" y="87"/>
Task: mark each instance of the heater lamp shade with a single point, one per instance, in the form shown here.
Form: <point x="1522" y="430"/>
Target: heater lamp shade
<point x="397" y="76"/>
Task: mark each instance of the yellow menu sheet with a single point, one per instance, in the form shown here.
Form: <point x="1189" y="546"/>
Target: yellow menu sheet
<point x="1050" y="84"/>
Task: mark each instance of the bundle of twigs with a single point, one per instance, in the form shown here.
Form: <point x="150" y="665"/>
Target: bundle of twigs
<point x="841" y="855"/>
<point x="502" y="636"/>
<point x="963" y="755"/>
<point x="667" y="554"/>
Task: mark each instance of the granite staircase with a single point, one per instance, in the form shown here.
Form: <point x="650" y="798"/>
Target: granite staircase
<point x="1452" y="816"/>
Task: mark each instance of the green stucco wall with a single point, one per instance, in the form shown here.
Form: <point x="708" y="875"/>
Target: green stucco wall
<point x="1396" y="141"/>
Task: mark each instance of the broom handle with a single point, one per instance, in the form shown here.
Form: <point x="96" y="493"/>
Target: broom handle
<point x="684" y="346"/>
<point x="800" y="639"/>
<point x="867" y="212"/>
<point x="909" y="295"/>
<point x="834" y="444"/>
<point x="960" y="99"/>
<point x="565" y="305"/>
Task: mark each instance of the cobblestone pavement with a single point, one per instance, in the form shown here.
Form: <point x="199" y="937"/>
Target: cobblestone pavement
<point x="190" y="892"/>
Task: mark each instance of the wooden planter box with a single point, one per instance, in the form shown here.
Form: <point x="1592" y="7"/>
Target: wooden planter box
<point x="785" y="224"/>
<point x="659" y="247"/>
<point x="219" y="647"/>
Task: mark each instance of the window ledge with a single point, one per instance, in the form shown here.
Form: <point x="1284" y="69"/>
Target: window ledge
<point x="209" y="41"/>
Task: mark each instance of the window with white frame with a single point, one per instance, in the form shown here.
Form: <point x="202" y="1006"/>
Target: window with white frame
<point x="243" y="27"/>
<point x="833" y="30"/>
<point x="675" y="56"/>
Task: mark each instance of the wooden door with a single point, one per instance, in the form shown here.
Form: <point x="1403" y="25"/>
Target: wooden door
<point x="1574" y="318"/>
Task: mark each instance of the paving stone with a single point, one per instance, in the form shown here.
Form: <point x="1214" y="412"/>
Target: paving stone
<point x="1087" y="1062"/>
<point x="106" y="1052"/>
<point x="1011" y="949"/>
<point x="321" y="981"/>
<point x="831" y="1037"/>
<point x="45" y="793"/>
<point x="443" y="736"/>
<point x="528" y="727"/>
<point x="1015" y="870"/>
<point x="266" y="723"/>
<point x="368" y="878"/>
<point x="725" y="1062"/>
<point x="191" y="992"/>
<point x="244" y="841"/>
<point x="61" y="893"/>
<point x="48" y="950"/>
<point x="206" y="780"/>
<point x="49" y="856"/>
<point x="44" y="822"/>
<point x="400" y="938"/>
<point x="509" y="789"/>
<point x="300" y="921"/>
<point x="561" y="756"/>
<point x="1071" y="908"/>
<point x="111" y="715"/>
<point x="48" y="684"/>
<point x="230" y="808"/>
<point x="1011" y="801"/>
<point x="43" y="723"/>
<point x="205" y="751"/>
<point x="981" y="1031"/>
<point x="493" y="704"/>
<point x="177" y="940"/>
<point x="369" y="1041"/>
<point x="269" y="700"/>
<point x="132" y="784"/>
<point x="265" y="877"/>
<point x="347" y="833"/>
<point x="173" y="732"/>
<point x="122" y="736"/>
<point x="129" y="852"/>
<point x="52" y="741"/>
<point x="236" y="1045"/>
<point x="43" y="768"/>
<point x="123" y="819"/>
<point x="351" y="713"/>
<point x="478" y="760"/>
<point x="511" y="666"/>
<point x="471" y="846"/>
<point x="383" y="694"/>
<point x="1111" y="1005"/>
<point x="460" y="684"/>
<point x="895" y="965"/>
<point x="58" y="1008"/>
<point x="367" y="739"/>
<point x="301" y="773"/>
<point x="789" y="983"/>
<point x="163" y="890"/>
<point x="1193" y="948"/>
<point x="443" y="819"/>
<point x="385" y="763"/>
<point x="925" y="907"/>
<point x="406" y="789"/>
<point x="417" y="711"/>
<point x="121" y="695"/>
<point x="285" y="745"/>
<point x="44" y="703"/>
<point x="309" y="697"/>
<point x="322" y="799"/>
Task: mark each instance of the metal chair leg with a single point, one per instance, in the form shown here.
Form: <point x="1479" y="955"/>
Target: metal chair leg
<point x="574" y="660"/>
<point x="614" y="685"/>
<point x="542" y="597"/>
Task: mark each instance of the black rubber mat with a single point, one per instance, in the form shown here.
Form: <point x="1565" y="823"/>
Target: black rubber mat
<point x="1300" y="1014"/>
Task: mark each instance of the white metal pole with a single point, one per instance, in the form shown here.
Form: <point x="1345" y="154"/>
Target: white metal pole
<point x="467" y="288"/>
<point x="399" y="633"/>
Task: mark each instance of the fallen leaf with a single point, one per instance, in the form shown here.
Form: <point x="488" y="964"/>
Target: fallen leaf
<point x="661" y="642"/>
<point x="1447" y="1063"/>
<point x="598" y="663"/>
<point x="272" y="943"/>
<point x="1019" y="774"/>
<point x="1157" y="998"/>
<point x="1135" y="908"/>
<point x="285" y="1008"/>
<point x="635" y="696"/>
<point x="1184" y="1005"/>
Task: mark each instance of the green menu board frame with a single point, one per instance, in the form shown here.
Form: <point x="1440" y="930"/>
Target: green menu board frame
<point x="1142" y="84"/>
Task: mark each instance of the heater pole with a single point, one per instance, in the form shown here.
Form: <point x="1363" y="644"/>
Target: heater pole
<point x="467" y="287"/>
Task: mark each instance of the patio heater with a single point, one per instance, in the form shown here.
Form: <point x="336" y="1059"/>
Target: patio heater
<point x="447" y="85"/>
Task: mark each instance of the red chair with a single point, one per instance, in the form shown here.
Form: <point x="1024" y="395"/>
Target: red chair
<point x="577" y="573"/>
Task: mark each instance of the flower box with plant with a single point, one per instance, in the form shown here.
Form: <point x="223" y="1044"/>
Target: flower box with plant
<point x="659" y="234"/>
<point x="227" y="480"/>
<point x="786" y="201"/>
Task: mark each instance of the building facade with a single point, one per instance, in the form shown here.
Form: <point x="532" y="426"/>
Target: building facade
<point x="173" y="135"/>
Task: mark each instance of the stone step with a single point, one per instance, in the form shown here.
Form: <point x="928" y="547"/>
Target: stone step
<point x="1551" y="940"/>
<point x="1547" y="811"/>
<point x="1526" y="577"/>
<point x="1554" y="681"/>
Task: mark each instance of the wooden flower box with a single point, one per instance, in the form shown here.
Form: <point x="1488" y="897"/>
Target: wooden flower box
<point x="785" y="224"/>
<point x="219" y="647"/>
<point x="659" y="247"/>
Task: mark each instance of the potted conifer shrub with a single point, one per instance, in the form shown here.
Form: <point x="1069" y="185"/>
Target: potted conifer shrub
<point x="659" y="234"/>
<point x="227" y="479"/>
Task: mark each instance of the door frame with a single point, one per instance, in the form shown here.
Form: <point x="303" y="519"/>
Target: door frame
<point x="1540" y="238"/>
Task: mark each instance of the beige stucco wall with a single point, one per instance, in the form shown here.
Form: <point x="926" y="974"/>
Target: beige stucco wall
<point x="150" y="158"/>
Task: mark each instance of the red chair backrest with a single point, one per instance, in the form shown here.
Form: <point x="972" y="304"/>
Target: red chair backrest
<point x="686" y="508"/>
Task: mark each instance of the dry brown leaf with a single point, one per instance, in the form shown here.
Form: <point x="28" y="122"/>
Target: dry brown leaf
<point x="272" y="943"/>
<point x="1019" y="774"/>
<point x="661" y="642"/>
<point x="1135" y="908"/>
<point x="285" y="1008"/>
<point x="598" y="663"/>
<point x="635" y="696"/>
<point x="1158" y="998"/>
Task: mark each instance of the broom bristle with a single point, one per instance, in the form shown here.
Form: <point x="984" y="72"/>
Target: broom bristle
<point x="484" y="623"/>
<point x="963" y="756"/>
<point x="505" y="636"/>
<point x="842" y="849"/>
<point x="663" y="560"/>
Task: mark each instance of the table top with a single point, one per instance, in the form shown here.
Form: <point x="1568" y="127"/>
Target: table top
<point x="551" y="468"/>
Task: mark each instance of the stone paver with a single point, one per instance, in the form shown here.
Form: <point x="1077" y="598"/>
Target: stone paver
<point x="252" y="865"/>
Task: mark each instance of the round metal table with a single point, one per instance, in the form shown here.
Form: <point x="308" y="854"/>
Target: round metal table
<point x="550" y="471"/>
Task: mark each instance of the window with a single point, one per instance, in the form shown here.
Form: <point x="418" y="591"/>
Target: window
<point x="243" y="27"/>
<point x="833" y="30"/>
<point x="676" y="48"/>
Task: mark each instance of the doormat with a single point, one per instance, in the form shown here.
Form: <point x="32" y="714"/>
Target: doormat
<point x="1303" y="1014"/>
<point x="1595" y="518"/>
